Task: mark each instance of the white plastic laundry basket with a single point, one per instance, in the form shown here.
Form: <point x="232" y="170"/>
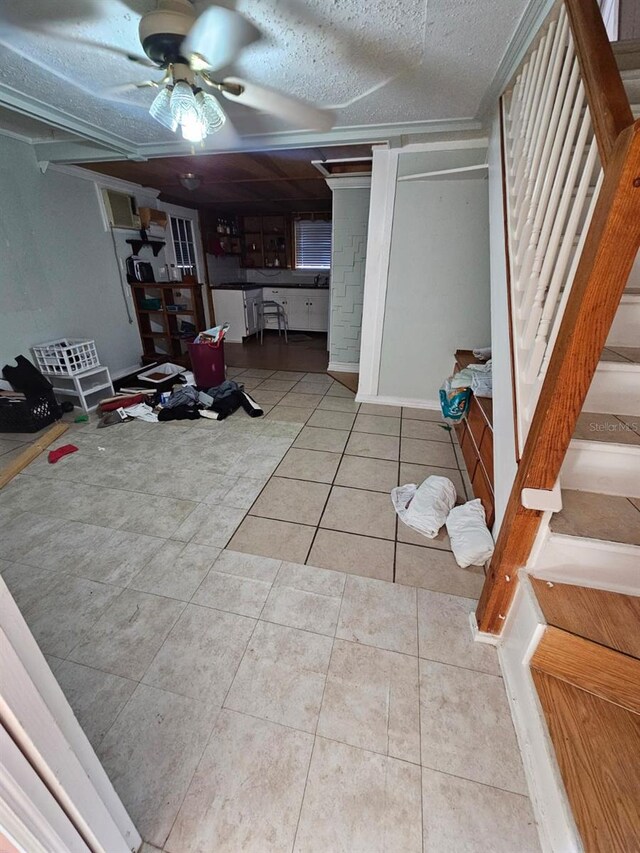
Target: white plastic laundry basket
<point x="66" y="357"/>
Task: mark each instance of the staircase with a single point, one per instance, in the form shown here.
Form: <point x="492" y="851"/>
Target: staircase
<point x="597" y="532"/>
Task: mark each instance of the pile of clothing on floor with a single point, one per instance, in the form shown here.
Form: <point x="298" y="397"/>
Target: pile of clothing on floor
<point x="183" y="402"/>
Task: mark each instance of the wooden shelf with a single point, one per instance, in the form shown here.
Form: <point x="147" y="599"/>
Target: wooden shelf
<point x="171" y="335"/>
<point x="137" y="244"/>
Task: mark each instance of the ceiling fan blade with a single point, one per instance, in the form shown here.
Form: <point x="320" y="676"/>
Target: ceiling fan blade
<point x="26" y="13"/>
<point x="217" y="37"/>
<point x="123" y="88"/>
<point x="290" y="109"/>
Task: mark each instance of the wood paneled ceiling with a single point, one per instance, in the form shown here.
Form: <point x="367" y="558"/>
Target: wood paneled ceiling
<point x="258" y="182"/>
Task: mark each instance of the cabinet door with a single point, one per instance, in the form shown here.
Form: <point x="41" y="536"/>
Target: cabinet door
<point x="318" y="312"/>
<point x="297" y="309"/>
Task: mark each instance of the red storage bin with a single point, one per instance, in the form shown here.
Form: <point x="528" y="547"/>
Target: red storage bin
<point x="207" y="363"/>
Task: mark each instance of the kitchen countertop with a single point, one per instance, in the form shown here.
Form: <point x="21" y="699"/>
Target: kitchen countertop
<point x="241" y="285"/>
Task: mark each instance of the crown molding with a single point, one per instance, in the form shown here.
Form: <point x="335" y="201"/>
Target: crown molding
<point x="530" y="22"/>
<point x="106" y="181"/>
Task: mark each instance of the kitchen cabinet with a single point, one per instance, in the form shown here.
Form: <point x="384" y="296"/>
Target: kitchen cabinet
<point x="239" y="308"/>
<point x="266" y="242"/>
<point x="307" y="308"/>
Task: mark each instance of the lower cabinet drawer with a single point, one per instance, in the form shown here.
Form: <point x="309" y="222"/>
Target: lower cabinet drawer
<point x="469" y="453"/>
<point x="482" y="490"/>
<point x="486" y="452"/>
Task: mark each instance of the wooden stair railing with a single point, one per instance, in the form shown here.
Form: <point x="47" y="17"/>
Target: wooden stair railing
<point x="610" y="248"/>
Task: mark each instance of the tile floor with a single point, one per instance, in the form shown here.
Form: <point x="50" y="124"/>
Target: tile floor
<point x="198" y="589"/>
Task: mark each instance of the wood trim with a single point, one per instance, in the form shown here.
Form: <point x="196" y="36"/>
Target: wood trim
<point x="607" y="98"/>
<point x="608" y="618"/>
<point x="607" y="258"/>
<point x="589" y="666"/>
<point x="30" y="453"/>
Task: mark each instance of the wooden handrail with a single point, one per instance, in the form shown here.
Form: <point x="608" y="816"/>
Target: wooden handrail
<point x="608" y="101"/>
<point x="610" y="249"/>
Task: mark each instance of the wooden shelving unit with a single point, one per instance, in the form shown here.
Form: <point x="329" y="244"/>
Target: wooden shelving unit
<point x="266" y="242"/>
<point x="161" y="328"/>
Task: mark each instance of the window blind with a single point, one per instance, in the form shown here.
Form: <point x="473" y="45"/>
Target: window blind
<point x="313" y="244"/>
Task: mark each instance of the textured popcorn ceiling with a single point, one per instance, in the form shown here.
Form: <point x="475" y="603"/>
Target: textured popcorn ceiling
<point x="438" y="57"/>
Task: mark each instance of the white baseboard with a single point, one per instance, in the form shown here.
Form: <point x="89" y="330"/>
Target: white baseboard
<point x="407" y="402"/>
<point x="521" y="635"/>
<point x="343" y="367"/>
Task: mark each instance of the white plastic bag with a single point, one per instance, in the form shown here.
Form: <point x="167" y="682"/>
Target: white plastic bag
<point x="471" y="540"/>
<point x="425" y="508"/>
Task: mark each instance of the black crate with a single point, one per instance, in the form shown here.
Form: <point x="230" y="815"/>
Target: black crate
<point x="29" y="415"/>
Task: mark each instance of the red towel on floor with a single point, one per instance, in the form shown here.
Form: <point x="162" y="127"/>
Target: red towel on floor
<point x="54" y="455"/>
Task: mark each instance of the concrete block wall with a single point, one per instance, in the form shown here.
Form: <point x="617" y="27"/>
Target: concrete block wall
<point x="349" y="252"/>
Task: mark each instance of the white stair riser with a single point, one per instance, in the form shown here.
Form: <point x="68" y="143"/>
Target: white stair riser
<point x="597" y="466"/>
<point x="589" y="562"/>
<point x="625" y="331"/>
<point x="615" y="389"/>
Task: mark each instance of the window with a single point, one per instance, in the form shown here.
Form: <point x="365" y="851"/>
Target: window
<point x="183" y="245"/>
<point x="313" y="244"/>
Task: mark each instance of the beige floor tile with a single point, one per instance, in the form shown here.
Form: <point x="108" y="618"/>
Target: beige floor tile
<point x="427" y="453"/>
<point x="265" y="537"/>
<point x="379" y="614"/>
<point x="151" y="753"/>
<point x="305" y="597"/>
<point x="371" y="700"/>
<point x="210" y="525"/>
<point x="96" y="697"/>
<point x="412" y="473"/>
<point x="358" y="555"/>
<point x="359" y="472"/>
<point x="200" y="656"/>
<point x="597" y="516"/>
<point x="359" y="801"/>
<point x="460" y="815"/>
<point x="319" y="378"/>
<point x="256" y="373"/>
<point x="340" y="390"/>
<point x="375" y="446"/>
<point x="305" y="401"/>
<point x="414" y="537"/>
<point x="154" y="515"/>
<point x="268" y="398"/>
<point x="437" y="570"/>
<point x="277" y="384"/>
<point x="282" y="676"/>
<point x="289" y="375"/>
<point x="247" y="566"/>
<point x="301" y="501"/>
<point x="289" y="414"/>
<point x="444" y="633"/>
<point x="306" y="387"/>
<point x="339" y="404"/>
<point x="376" y="409"/>
<point x="455" y="706"/>
<point x="233" y="593"/>
<point x="429" y="430"/>
<point x="127" y="636"/>
<point x="331" y="420"/>
<point x="316" y="438"/>
<point x="176" y="571"/>
<point x="247" y="790"/>
<point x="319" y="466"/>
<point x="243" y="493"/>
<point x="359" y="511"/>
<point x="378" y="424"/>
<point x="422" y="414"/>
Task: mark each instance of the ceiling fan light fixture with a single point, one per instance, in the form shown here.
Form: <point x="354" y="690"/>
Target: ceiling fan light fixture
<point x="184" y="108"/>
<point x="190" y="181"/>
<point x="211" y="113"/>
<point x="193" y="130"/>
<point x="160" y="109"/>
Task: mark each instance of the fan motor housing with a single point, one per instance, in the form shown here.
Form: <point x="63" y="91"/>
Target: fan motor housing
<point x="163" y="31"/>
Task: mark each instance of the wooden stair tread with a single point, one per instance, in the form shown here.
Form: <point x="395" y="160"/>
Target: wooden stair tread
<point x="594" y="516"/>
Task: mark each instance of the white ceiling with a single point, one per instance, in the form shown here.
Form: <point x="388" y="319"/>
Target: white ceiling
<point x="428" y="63"/>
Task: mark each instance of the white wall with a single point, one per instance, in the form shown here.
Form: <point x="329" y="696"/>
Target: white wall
<point x="437" y="297"/>
<point x="59" y="274"/>
<point x="504" y="447"/>
<point x="348" y="257"/>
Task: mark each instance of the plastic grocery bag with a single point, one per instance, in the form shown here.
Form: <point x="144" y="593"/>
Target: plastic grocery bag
<point x="471" y="540"/>
<point x="425" y="508"/>
<point x="454" y="402"/>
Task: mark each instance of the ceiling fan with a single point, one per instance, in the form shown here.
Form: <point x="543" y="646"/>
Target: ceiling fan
<point x="190" y="48"/>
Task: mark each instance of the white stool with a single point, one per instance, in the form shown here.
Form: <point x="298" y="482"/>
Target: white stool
<point x="271" y="308"/>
